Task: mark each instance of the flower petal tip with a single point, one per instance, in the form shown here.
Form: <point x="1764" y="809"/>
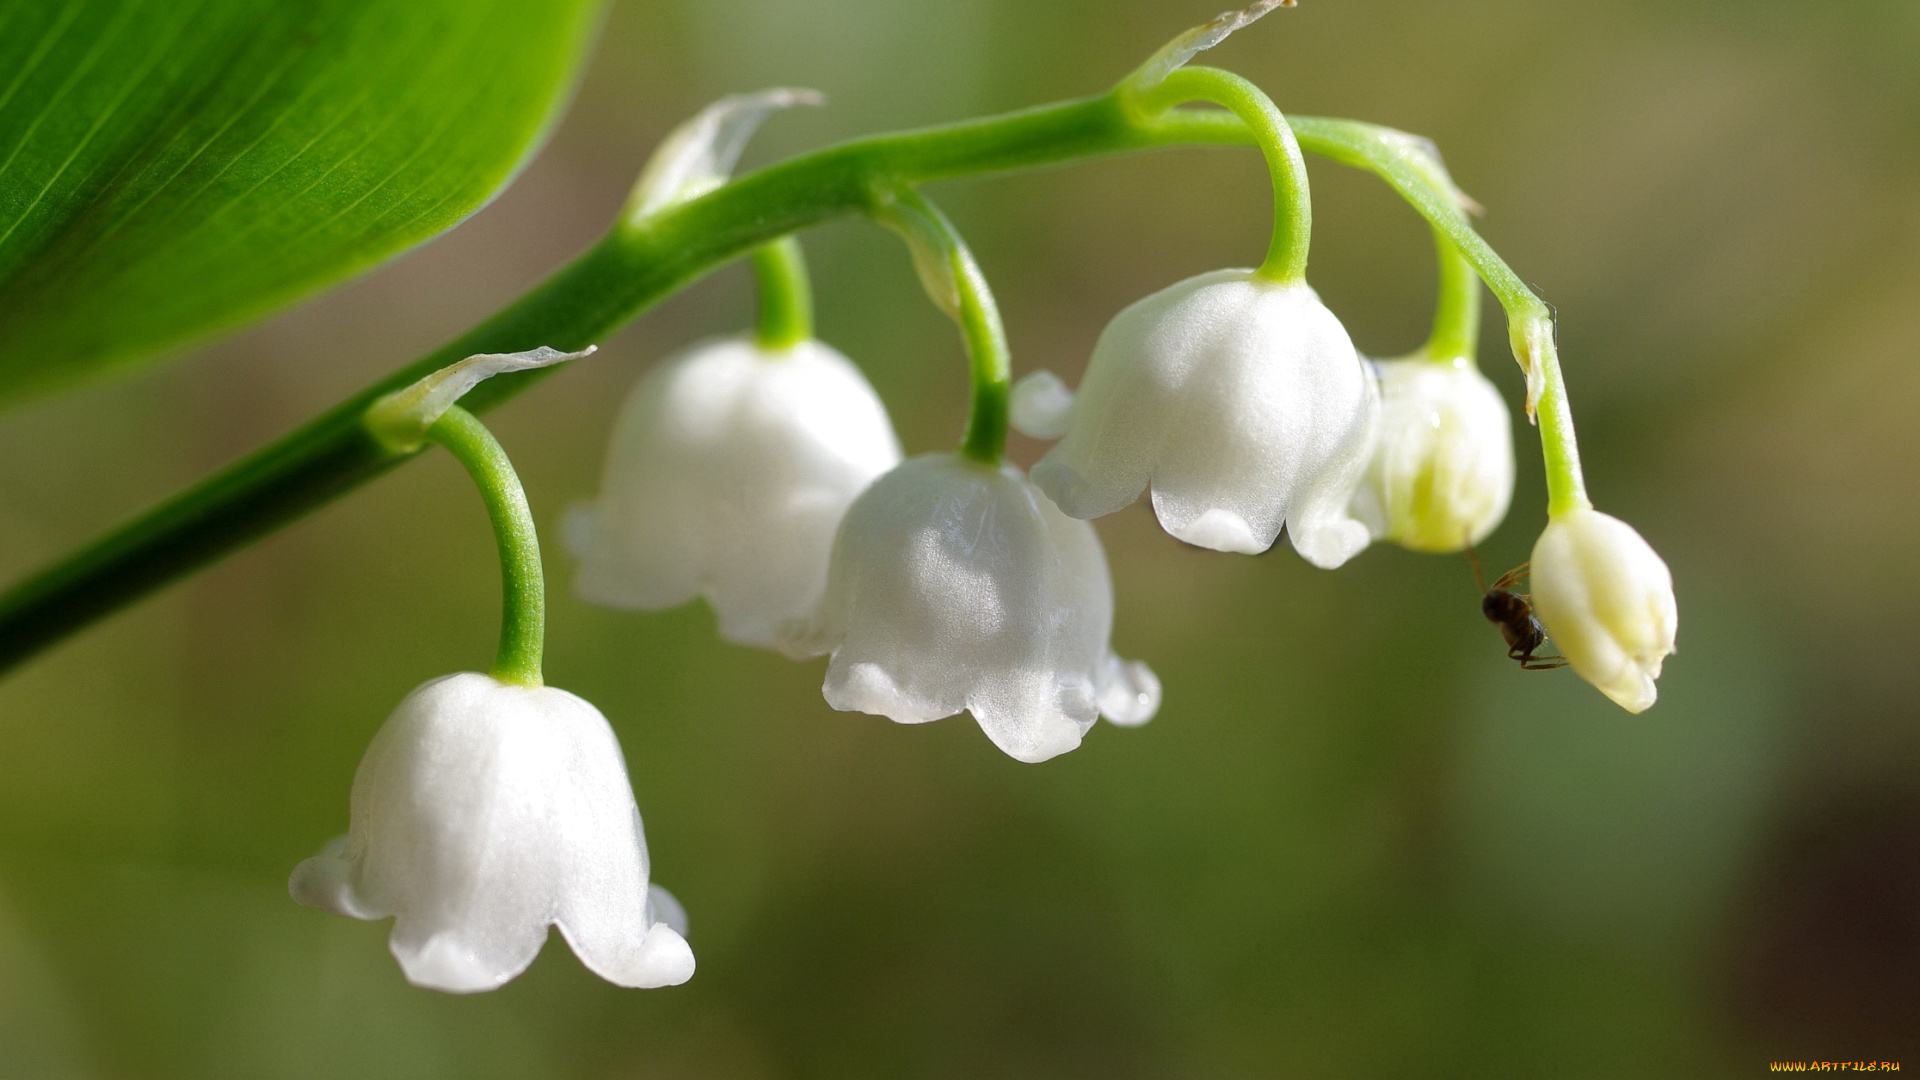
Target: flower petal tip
<point x="444" y="962"/>
<point x="1041" y="405"/>
<point x="1129" y="693"/>
<point x="1219" y="530"/>
<point x="1032" y="740"/>
<point x="1635" y="696"/>
<point x="1330" y="545"/>
<point x="867" y="687"/>
<point x="663" y="959"/>
<point x="326" y="882"/>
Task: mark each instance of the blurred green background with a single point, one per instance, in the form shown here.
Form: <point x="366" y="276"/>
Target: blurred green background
<point x="1357" y="841"/>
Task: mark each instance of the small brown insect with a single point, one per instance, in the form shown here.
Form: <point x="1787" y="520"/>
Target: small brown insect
<point x="1512" y="612"/>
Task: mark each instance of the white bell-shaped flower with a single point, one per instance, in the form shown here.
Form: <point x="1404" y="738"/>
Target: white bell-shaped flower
<point x="1606" y="599"/>
<point x="728" y="473"/>
<point x="956" y="585"/>
<point x="485" y="812"/>
<point x="1241" y="401"/>
<point x="1441" y="473"/>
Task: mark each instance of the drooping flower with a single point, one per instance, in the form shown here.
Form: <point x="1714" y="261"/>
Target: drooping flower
<point x="956" y="585"/>
<point x="484" y="812"/>
<point x="1606" y="600"/>
<point x="728" y="472"/>
<point x="1240" y="401"/>
<point x="1441" y="473"/>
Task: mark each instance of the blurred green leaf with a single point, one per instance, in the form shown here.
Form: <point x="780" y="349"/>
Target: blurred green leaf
<point x="171" y="167"/>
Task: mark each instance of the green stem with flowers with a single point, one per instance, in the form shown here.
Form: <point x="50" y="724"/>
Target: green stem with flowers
<point x="640" y="262"/>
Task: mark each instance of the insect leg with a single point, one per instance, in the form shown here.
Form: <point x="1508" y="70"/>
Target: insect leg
<point x="1510" y="577"/>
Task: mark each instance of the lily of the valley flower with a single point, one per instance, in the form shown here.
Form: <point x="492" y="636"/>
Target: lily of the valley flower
<point x="728" y="472"/>
<point x="1441" y="473"/>
<point x="1606" y="600"/>
<point x="1241" y="401"/>
<point x="956" y="585"/>
<point x="485" y="812"/>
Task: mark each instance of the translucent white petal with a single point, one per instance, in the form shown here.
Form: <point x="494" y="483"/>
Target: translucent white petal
<point x="1041" y="403"/>
<point x="954" y="586"/>
<point x="482" y="814"/>
<point x="1441" y="473"/>
<point x="1606" y="600"/>
<point x="664" y="907"/>
<point x="729" y="470"/>
<point x="326" y="881"/>
<point x="1129" y="692"/>
<point x="1242" y="403"/>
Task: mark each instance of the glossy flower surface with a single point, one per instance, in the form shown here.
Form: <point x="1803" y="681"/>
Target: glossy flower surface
<point x="1441" y="472"/>
<point x="1240" y="401"/>
<point x="1606" y="600"/>
<point x="729" y="470"/>
<point x="958" y="586"/>
<point x="483" y="813"/>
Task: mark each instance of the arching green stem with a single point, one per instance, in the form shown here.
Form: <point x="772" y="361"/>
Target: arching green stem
<point x="523" y="592"/>
<point x="955" y="283"/>
<point x="638" y="263"/>
<point x="786" y="297"/>
<point x="1286" y="260"/>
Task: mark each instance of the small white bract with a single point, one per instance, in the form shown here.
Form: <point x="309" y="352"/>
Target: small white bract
<point x="1244" y="405"/>
<point x="956" y="585"/>
<point x="1606" y="600"/>
<point x="729" y="470"/>
<point x="484" y="813"/>
<point x="1441" y="473"/>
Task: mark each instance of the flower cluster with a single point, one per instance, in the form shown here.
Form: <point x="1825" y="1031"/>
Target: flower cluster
<point x="762" y="473"/>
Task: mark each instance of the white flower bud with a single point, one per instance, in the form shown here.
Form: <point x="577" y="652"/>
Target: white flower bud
<point x="1441" y="473"/>
<point x="484" y="813"/>
<point x="1240" y="401"/>
<point x="956" y="585"/>
<point x="728" y="473"/>
<point x="1606" y="600"/>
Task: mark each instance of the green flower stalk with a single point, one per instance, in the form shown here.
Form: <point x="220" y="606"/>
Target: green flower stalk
<point x="957" y="286"/>
<point x="679" y="228"/>
<point x="426" y="412"/>
<point x="786" y="298"/>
